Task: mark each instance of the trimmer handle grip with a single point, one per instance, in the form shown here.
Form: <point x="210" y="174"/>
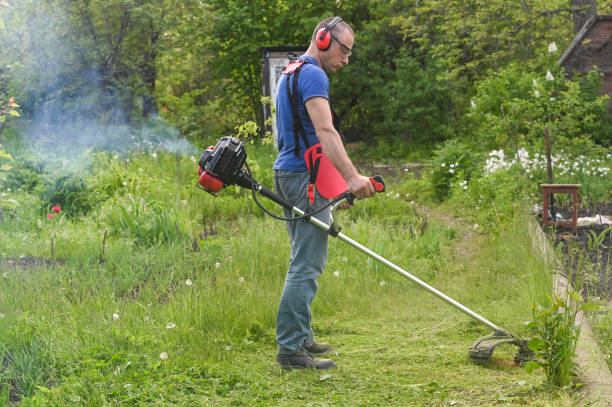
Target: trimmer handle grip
<point x="377" y="182"/>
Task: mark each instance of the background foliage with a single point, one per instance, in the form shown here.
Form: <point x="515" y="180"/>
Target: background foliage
<point x="416" y="67"/>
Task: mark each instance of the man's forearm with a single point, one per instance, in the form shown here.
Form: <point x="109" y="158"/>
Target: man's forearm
<point x="334" y="150"/>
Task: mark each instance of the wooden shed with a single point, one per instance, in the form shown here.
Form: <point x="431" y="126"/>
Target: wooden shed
<point x="592" y="47"/>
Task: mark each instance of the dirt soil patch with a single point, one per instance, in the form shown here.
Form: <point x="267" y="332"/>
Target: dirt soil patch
<point x="588" y="252"/>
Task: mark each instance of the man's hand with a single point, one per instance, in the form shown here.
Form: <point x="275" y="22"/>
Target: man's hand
<point x="361" y="187"/>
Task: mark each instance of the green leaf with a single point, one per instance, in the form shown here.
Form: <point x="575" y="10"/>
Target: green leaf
<point x="531" y="366"/>
<point x="14" y="113"/>
<point x="588" y="307"/>
<point x="9" y="204"/>
<point x="537" y="344"/>
<point x="576" y="296"/>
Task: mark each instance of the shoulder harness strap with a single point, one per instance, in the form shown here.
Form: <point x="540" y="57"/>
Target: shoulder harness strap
<point x="295" y="67"/>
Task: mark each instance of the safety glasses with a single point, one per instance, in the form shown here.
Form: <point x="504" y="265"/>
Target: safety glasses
<point x="345" y="50"/>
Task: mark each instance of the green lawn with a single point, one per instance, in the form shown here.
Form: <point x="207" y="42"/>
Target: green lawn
<point x="163" y="324"/>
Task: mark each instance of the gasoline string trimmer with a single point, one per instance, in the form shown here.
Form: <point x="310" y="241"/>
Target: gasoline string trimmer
<point x="222" y="165"/>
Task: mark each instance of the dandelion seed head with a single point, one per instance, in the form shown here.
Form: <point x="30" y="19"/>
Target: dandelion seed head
<point x="336" y="273"/>
<point x="170" y="325"/>
<point x="188" y="282"/>
<point x="163" y="356"/>
<point x="115" y="317"/>
<point x="382" y="283"/>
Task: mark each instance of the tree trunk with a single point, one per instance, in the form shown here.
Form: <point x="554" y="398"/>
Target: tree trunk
<point x="582" y="11"/>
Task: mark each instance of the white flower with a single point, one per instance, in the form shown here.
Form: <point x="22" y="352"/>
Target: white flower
<point x="1" y="315"/>
<point x="336" y="273"/>
<point x="475" y="226"/>
<point x="535" y="82"/>
<point x="451" y="171"/>
<point x="443" y="165"/>
<point x="163" y="356"/>
<point x="241" y="280"/>
<point x="217" y="264"/>
<point x="124" y="183"/>
<point x="552" y="47"/>
<point x="536" y="93"/>
<point x="154" y="155"/>
<point x="228" y="347"/>
<point x="549" y="76"/>
<point x="473" y="104"/>
<point x="170" y="325"/>
<point x="140" y="170"/>
<point x="115" y="317"/>
<point x="382" y="282"/>
<point x="188" y="282"/>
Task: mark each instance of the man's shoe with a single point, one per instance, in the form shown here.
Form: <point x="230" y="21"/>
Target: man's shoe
<point x="302" y="360"/>
<point x="318" y="348"/>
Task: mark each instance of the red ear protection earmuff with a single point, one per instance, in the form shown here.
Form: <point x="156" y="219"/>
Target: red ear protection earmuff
<point x="323" y="38"/>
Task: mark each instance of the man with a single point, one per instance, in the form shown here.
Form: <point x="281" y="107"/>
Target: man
<point x="329" y="51"/>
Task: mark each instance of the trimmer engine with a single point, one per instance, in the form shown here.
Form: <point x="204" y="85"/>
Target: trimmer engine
<point x="221" y="165"/>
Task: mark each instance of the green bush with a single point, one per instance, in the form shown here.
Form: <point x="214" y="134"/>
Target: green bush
<point x="68" y="190"/>
<point x="514" y="106"/>
<point x="146" y="223"/>
<point x="453" y="162"/>
<point x="24" y="175"/>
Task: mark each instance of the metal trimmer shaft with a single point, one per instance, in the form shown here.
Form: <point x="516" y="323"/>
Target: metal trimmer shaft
<point x="400" y="270"/>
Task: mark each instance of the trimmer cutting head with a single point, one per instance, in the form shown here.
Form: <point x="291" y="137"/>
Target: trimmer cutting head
<point x="482" y="350"/>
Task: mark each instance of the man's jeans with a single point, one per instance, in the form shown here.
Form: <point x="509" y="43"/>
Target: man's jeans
<point x="306" y="263"/>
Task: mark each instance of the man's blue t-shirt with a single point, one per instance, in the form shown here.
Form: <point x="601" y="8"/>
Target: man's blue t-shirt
<point x="312" y="82"/>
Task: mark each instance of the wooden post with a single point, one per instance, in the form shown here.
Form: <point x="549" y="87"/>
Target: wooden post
<point x="548" y="157"/>
<point x="550" y="173"/>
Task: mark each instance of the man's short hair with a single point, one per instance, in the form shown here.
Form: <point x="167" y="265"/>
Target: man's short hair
<point x="341" y="26"/>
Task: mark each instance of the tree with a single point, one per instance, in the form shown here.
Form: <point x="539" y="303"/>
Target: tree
<point x="94" y="58"/>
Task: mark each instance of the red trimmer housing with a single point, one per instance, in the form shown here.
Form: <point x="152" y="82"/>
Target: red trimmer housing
<point x="221" y="165"/>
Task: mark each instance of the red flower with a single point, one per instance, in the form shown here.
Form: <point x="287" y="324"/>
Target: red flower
<point x="57" y="209"/>
<point x="50" y="216"/>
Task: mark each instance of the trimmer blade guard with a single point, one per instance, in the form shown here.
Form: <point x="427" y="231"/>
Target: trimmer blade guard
<point x="482" y="350"/>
